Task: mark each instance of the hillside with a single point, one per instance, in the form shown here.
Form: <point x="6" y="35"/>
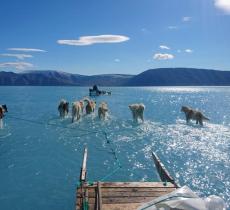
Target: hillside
<point x="180" y="77"/>
<point x="56" y="78"/>
<point x="152" y="77"/>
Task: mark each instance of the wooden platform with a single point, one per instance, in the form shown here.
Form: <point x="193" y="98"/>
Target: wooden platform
<point x="120" y="195"/>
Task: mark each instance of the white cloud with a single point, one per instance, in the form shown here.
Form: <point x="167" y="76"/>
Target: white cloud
<point x="18" y="56"/>
<point x="223" y="5"/>
<point x="188" y="51"/>
<point x="163" y="56"/>
<point x="164" y="47"/>
<point x="89" y="40"/>
<point x="26" y="49"/>
<point x="16" y="65"/>
<point x="186" y="19"/>
<point x="172" y="27"/>
<point x="117" y="60"/>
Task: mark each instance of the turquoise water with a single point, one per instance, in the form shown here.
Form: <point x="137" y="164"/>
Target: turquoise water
<point x="40" y="154"/>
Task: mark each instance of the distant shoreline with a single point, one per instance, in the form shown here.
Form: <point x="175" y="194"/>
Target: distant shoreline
<point x="152" y="77"/>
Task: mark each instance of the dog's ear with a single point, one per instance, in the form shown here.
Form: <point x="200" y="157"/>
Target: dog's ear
<point x="5" y="107"/>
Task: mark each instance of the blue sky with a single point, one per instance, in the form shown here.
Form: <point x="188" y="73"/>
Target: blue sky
<point x="114" y="36"/>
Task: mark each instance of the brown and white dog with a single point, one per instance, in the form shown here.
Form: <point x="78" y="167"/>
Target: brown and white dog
<point x="137" y="111"/>
<point x="77" y="108"/>
<point x="90" y="106"/>
<point x="82" y="105"/>
<point x="193" y="114"/>
<point x="63" y="108"/>
<point x="3" y="109"/>
<point x="102" y="110"/>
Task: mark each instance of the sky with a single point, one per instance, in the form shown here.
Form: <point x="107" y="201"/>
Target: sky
<point x="114" y="36"/>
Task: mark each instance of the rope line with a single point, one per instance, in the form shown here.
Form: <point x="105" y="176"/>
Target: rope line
<point x="111" y="173"/>
<point x="86" y="133"/>
<point x="104" y="133"/>
<point x="45" y="123"/>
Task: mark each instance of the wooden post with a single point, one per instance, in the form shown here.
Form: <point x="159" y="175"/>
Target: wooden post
<point x="162" y="171"/>
<point x="83" y="168"/>
<point x="99" y="198"/>
<point x="82" y="179"/>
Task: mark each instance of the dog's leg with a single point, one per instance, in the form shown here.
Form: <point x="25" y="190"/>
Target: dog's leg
<point x="73" y="115"/>
<point x="142" y="117"/>
<point x="187" y="118"/>
<point x="1" y="123"/>
<point x="201" y="121"/>
<point x="134" y="116"/>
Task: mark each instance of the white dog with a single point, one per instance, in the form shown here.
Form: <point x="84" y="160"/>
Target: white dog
<point x="63" y="108"/>
<point x="102" y="110"/>
<point x="76" y="110"/>
<point x="137" y="111"/>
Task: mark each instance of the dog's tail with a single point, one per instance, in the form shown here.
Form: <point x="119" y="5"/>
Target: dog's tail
<point x="205" y="118"/>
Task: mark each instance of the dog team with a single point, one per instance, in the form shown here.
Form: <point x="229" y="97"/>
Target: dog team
<point x="79" y="106"/>
<point x="89" y="105"/>
<point x="137" y="110"/>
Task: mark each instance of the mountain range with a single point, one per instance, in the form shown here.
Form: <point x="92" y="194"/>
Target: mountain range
<point x="151" y="77"/>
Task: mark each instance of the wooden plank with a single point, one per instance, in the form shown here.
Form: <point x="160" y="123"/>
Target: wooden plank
<point x="129" y="189"/>
<point x="129" y="206"/>
<point x="136" y="189"/>
<point x="86" y="198"/>
<point x="79" y="198"/>
<point x="83" y="168"/>
<point x="134" y="184"/>
<point x="122" y="200"/>
<point x="129" y="194"/>
<point x="99" y="197"/>
<point x="162" y="171"/>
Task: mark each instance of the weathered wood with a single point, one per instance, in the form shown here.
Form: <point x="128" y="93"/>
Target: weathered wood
<point x="83" y="168"/>
<point x="99" y="197"/>
<point x="129" y="194"/>
<point x="133" y="184"/>
<point x="131" y="189"/>
<point x="162" y="171"/>
<point x="122" y="195"/>
<point x="136" y="189"/>
<point x="86" y="196"/>
<point x="115" y="200"/>
<point x="121" y="206"/>
<point x="80" y="196"/>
